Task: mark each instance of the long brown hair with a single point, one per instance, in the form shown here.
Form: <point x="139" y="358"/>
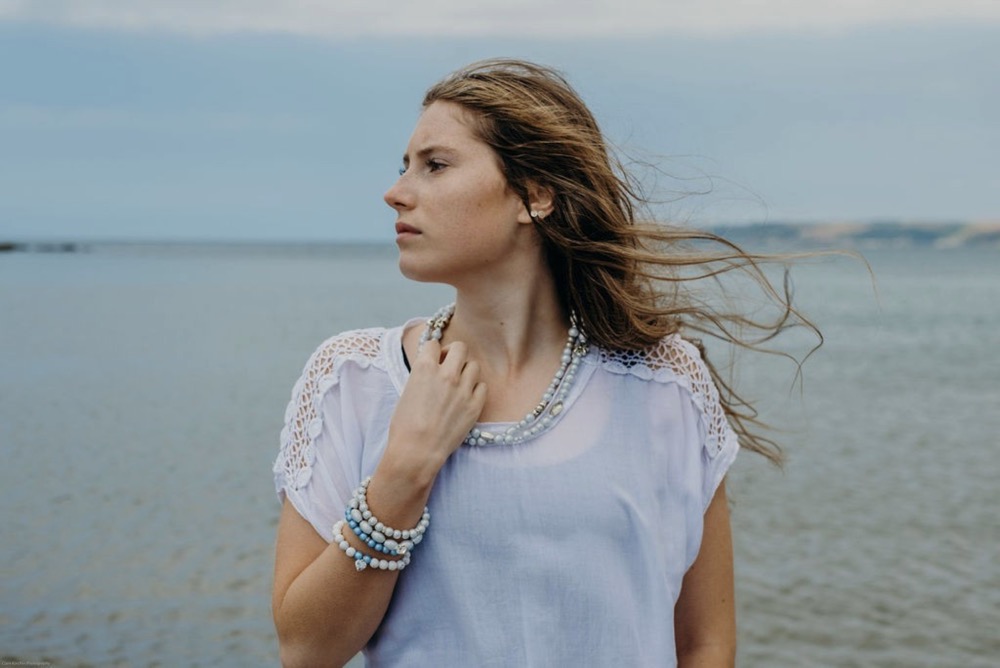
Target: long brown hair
<point x="629" y="281"/>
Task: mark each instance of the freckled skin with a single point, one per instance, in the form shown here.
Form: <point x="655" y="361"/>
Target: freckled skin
<point x="470" y="222"/>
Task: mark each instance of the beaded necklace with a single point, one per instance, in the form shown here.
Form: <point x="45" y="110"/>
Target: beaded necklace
<point x="553" y="399"/>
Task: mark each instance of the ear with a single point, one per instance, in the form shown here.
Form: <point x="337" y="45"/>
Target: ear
<point x="539" y="204"/>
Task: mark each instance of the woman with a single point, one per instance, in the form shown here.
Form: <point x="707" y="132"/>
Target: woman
<point x="548" y="451"/>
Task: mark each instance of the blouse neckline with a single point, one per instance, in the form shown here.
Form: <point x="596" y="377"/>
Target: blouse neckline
<point x="392" y="350"/>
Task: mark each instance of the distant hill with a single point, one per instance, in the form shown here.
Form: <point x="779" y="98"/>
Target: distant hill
<point x="864" y="235"/>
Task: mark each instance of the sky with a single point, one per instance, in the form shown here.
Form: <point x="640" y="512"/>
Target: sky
<point x="257" y="120"/>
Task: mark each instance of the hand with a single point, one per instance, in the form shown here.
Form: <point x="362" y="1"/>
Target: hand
<point x="441" y="401"/>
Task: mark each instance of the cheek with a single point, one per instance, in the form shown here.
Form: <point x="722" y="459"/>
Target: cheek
<point x="472" y="209"/>
<point x="494" y="203"/>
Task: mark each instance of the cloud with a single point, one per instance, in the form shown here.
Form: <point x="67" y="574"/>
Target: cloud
<point x="558" y="19"/>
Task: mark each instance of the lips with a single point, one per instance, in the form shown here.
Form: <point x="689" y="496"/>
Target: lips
<point x="403" y="228"/>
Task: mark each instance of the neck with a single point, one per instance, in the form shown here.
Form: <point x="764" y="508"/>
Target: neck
<point x="510" y="398"/>
<point x="508" y="330"/>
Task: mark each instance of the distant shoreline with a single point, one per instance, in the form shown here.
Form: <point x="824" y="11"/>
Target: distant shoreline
<point x="775" y="235"/>
<point x="192" y="247"/>
<point x="865" y="236"/>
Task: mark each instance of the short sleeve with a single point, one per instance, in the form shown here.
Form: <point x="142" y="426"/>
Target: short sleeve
<point x="319" y="442"/>
<point x="719" y="442"/>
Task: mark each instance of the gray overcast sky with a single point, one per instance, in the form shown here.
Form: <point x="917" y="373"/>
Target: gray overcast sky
<point x="262" y="120"/>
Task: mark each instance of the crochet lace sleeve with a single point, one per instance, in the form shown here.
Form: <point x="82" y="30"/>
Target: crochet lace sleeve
<point x="293" y="468"/>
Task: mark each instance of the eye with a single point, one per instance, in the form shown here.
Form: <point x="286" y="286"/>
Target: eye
<point x="435" y="165"/>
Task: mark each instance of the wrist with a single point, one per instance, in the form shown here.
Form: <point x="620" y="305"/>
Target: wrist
<point x="409" y="467"/>
<point x="399" y="494"/>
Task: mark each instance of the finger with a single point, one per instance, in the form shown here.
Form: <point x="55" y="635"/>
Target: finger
<point x="454" y="356"/>
<point x="470" y="374"/>
<point x="479" y="396"/>
<point x="430" y="350"/>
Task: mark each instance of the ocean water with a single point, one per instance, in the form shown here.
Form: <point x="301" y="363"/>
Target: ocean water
<point x="142" y="391"/>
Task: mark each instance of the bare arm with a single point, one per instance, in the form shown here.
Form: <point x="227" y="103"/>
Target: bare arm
<point x="705" y="615"/>
<point x="324" y="609"/>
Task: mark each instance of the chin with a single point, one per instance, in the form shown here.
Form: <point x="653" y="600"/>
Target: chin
<point x="424" y="272"/>
<point x="415" y="272"/>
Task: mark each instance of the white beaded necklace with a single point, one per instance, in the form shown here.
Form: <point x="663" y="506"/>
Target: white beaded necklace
<point x="553" y="400"/>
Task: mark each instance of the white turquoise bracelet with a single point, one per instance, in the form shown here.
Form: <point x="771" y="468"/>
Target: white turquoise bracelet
<point x="360" y="517"/>
<point x="363" y="560"/>
<point x="376" y="540"/>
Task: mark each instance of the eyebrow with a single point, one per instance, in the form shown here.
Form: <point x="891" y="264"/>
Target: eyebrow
<point x="427" y="150"/>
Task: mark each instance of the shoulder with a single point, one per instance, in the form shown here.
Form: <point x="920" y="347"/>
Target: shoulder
<point x="358" y="349"/>
<point x="362" y="346"/>
<point x="679" y="362"/>
<point x="672" y="359"/>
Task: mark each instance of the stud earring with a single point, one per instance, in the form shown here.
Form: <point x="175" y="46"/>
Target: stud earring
<point x="534" y="215"/>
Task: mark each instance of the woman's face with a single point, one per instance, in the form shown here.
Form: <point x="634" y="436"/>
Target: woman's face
<point x="456" y="216"/>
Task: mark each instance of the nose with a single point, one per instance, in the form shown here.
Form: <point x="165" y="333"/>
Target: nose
<point x="398" y="196"/>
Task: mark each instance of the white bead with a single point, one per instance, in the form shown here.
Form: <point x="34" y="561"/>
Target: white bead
<point x="393" y="565"/>
<point x="391" y="545"/>
<point x="397" y="534"/>
<point x="350" y="551"/>
<point x="356" y="515"/>
<point x="367" y="528"/>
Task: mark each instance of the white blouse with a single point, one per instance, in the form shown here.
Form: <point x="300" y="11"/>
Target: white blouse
<point x="565" y="550"/>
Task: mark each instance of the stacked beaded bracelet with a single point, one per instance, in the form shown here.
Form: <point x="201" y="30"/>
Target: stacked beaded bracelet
<point x="362" y="560"/>
<point x="393" y="541"/>
<point x="376" y="535"/>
